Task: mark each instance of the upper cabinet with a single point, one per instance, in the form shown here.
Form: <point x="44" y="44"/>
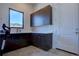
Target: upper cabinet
<point x="42" y="17"/>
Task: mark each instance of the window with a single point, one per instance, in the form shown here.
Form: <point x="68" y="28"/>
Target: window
<point x="16" y="18"/>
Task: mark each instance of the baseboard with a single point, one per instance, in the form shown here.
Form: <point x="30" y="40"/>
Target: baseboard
<point x="68" y="51"/>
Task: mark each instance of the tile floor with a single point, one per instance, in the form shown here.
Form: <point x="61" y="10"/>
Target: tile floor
<point x="34" y="51"/>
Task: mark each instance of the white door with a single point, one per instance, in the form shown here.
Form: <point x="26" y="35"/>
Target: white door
<point x="68" y="39"/>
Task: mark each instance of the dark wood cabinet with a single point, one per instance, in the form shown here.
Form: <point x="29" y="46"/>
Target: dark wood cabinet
<point x="15" y="41"/>
<point x="20" y="40"/>
<point x="42" y="17"/>
<point x="43" y="41"/>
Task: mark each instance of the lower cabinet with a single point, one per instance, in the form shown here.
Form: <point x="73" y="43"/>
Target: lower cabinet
<point x="16" y="41"/>
<point x="43" y="41"/>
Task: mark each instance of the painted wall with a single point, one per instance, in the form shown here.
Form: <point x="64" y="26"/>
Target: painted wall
<point x="65" y="23"/>
<point x="26" y="8"/>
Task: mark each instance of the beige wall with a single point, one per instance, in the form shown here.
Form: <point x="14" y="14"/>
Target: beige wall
<point x="26" y="8"/>
<point x="65" y="23"/>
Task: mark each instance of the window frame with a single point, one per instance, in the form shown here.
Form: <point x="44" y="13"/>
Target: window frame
<point x="22" y="18"/>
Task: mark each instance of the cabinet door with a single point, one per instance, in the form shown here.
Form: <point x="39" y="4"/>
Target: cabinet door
<point x="36" y="40"/>
<point x="46" y="42"/>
